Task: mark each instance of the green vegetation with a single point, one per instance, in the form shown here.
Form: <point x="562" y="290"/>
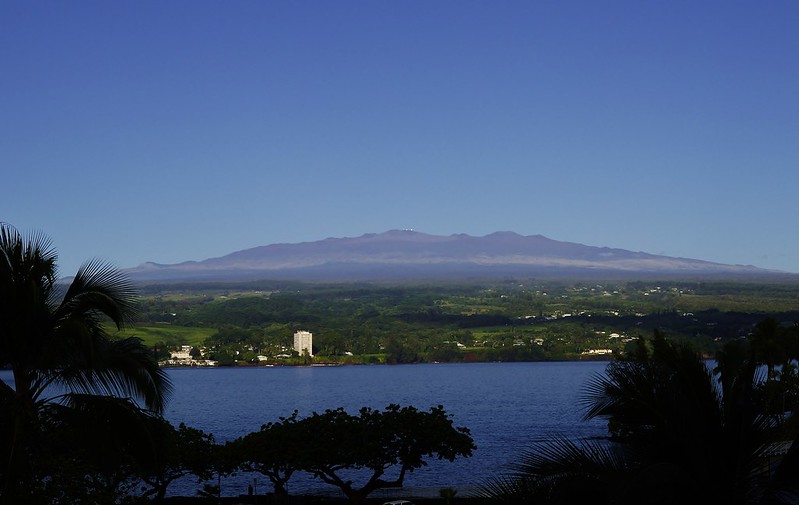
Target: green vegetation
<point x="167" y="334"/>
<point x="510" y="320"/>
<point x="386" y="444"/>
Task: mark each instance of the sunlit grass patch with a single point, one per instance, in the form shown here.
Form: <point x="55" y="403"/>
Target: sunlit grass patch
<point x="171" y="335"/>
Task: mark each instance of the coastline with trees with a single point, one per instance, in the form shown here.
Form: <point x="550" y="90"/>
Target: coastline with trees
<point x="251" y="324"/>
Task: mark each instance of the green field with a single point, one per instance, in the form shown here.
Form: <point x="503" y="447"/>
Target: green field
<point x="504" y="320"/>
<point x="153" y="334"/>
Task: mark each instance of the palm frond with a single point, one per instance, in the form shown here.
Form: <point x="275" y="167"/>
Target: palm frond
<point x="671" y="393"/>
<point x="562" y="471"/>
<point x="27" y="265"/>
<point x="16" y="249"/>
<point x="55" y="337"/>
<point x="560" y="457"/>
<point x="27" y="278"/>
<point x="505" y="489"/>
<point x="103" y="427"/>
<point x="605" y="394"/>
<point x="99" y="289"/>
<point x="123" y="368"/>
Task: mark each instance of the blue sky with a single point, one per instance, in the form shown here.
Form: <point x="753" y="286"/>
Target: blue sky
<point x="183" y="130"/>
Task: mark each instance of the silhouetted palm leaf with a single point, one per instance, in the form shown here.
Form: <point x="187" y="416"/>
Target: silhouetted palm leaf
<point x="57" y="347"/>
<point x="682" y="436"/>
<point x="563" y="471"/>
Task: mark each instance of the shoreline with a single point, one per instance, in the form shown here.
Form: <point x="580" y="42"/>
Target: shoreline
<point x="591" y="359"/>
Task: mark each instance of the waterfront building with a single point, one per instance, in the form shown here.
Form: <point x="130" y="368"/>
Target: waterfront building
<point x="303" y="342"/>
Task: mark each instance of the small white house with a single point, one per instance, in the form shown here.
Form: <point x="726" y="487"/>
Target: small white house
<point x="183" y="354"/>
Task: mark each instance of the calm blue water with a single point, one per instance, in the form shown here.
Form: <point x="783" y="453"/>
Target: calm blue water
<point x="507" y="407"/>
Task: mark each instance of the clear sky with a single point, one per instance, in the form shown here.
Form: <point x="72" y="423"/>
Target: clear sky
<point x="168" y="131"/>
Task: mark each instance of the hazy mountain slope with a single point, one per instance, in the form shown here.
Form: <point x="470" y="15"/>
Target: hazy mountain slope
<point x="402" y="253"/>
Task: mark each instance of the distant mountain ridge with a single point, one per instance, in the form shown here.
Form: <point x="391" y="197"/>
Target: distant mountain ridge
<point x="397" y="254"/>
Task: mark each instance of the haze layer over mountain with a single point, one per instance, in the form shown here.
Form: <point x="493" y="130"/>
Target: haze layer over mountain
<point x="398" y="254"/>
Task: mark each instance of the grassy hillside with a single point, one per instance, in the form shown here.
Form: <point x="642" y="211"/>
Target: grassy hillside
<point x="508" y="320"/>
<point x="153" y="334"/>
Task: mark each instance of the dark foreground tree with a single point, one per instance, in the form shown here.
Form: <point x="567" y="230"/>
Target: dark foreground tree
<point x="53" y="339"/>
<point x="376" y="448"/>
<point x="276" y="451"/>
<point x="561" y="471"/>
<point x="383" y="445"/>
<point x="680" y="434"/>
<point x="178" y="452"/>
<point x="92" y="452"/>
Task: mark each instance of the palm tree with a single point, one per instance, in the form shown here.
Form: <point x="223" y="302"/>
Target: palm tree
<point x="679" y="433"/>
<point x="667" y="407"/>
<point x="54" y="340"/>
<point x="561" y="472"/>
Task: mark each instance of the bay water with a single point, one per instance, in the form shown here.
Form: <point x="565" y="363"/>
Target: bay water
<point x="508" y="407"/>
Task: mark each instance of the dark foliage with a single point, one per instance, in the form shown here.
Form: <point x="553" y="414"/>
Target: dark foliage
<point x="67" y="371"/>
<point x="378" y="447"/>
<point x="680" y="433"/>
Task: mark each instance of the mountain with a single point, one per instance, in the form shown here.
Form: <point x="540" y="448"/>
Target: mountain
<point x="405" y="254"/>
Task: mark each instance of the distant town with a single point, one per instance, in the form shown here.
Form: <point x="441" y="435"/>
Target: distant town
<point x="280" y="323"/>
<point x="188" y="355"/>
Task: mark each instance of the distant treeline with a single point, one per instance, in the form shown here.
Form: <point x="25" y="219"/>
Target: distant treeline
<point x="508" y="320"/>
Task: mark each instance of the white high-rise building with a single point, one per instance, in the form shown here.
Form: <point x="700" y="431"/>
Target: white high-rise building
<point x="303" y="342"/>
